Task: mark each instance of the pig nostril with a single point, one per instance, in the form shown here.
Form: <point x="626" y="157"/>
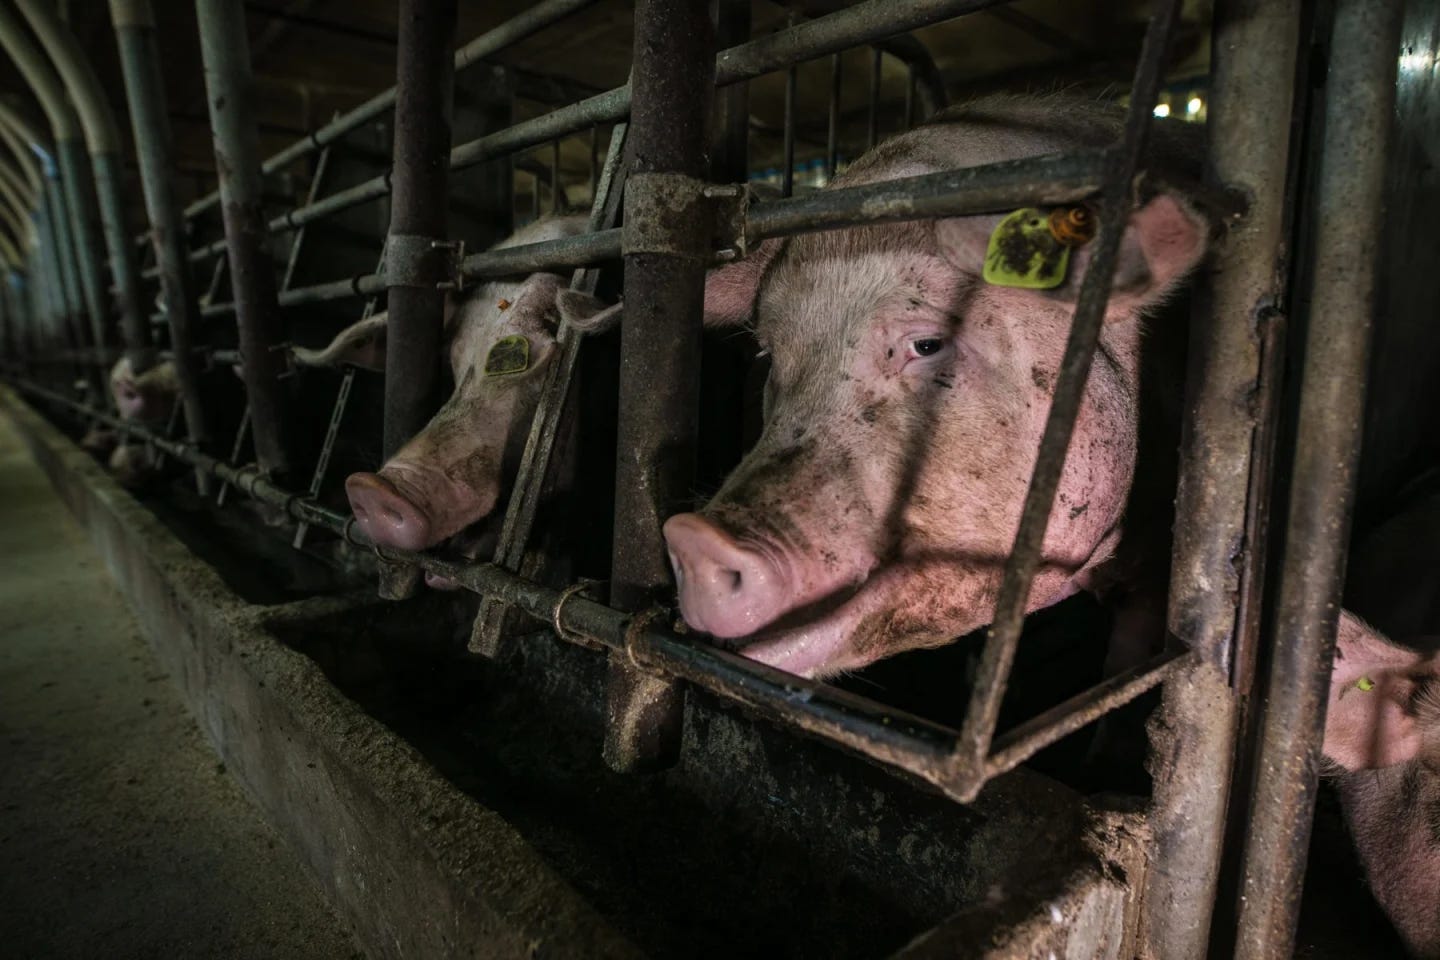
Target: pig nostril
<point x="395" y="517"/>
<point x="734" y="581"/>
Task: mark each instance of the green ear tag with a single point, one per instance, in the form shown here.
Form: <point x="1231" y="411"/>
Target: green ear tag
<point x="1024" y="252"/>
<point x="509" y="355"/>
<point x="1366" y="684"/>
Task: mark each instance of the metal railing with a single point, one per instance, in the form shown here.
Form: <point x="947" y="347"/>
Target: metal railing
<point x="1221" y="487"/>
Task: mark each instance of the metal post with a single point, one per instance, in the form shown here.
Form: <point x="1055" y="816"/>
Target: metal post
<point x="229" y="86"/>
<point x="140" y="63"/>
<point x="729" y="154"/>
<point x="1252" y="93"/>
<point x="423" y="108"/>
<point x="78" y="231"/>
<point x="672" y="79"/>
<point x="102" y="136"/>
<point x="1360" y="101"/>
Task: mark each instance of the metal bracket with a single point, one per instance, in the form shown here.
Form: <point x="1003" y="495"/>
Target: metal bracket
<point x="663" y="209"/>
<point x="425" y="262"/>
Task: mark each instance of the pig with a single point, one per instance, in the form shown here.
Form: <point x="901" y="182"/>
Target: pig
<point x="1382" y="747"/>
<point x="146" y="397"/>
<point x="500" y="339"/>
<point x="905" y="405"/>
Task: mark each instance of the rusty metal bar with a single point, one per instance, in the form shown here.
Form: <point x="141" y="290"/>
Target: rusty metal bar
<point x="1360" y="102"/>
<point x="864" y="23"/>
<point x="507" y="34"/>
<point x="1064" y="178"/>
<point x="1004" y="633"/>
<point x="1241" y="294"/>
<point x="900" y="740"/>
<point x="424" y="103"/>
<point x="485" y="634"/>
<point x="659" y="349"/>
<point x="230" y="89"/>
<point x="139" y="61"/>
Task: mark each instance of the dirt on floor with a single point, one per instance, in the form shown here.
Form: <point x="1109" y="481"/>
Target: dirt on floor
<point x="120" y="834"/>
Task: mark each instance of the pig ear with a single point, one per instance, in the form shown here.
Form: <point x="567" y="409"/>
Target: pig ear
<point x="731" y="291"/>
<point x="360" y="345"/>
<point x="585" y="312"/>
<point x="1372" y="719"/>
<point x="1164" y="240"/>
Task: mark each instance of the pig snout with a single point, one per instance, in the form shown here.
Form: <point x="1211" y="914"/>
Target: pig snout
<point x="384" y="515"/>
<point x="726" y="589"/>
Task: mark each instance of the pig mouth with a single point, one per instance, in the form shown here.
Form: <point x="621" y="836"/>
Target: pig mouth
<point x="474" y="542"/>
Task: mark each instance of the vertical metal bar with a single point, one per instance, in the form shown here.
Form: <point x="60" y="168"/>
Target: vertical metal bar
<point x="555" y="405"/>
<point x="225" y="51"/>
<point x="556" y="190"/>
<point x="70" y="317"/>
<point x="297" y="243"/>
<point x="1242" y="293"/>
<point x="1360" y="101"/>
<point x="1004" y="634"/>
<point x="145" y="89"/>
<point x="672" y="79"/>
<point x="787" y="178"/>
<point x="102" y="136"/>
<point x="872" y="128"/>
<point x="729" y="151"/>
<point x="76" y="226"/>
<point x="423" y="107"/>
<point x="832" y="138"/>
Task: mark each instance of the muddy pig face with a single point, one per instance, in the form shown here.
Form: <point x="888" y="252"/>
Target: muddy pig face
<point x="499" y="341"/>
<point x="1382" y="729"/>
<point x="905" y="406"/>
<point x="149" y="396"/>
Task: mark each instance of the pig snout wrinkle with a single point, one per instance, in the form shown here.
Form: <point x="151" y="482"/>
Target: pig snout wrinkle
<point x="725" y="589"/>
<point x="384" y="515"/>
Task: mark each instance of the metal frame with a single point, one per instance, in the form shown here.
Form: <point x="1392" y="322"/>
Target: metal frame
<point x="1225" y="456"/>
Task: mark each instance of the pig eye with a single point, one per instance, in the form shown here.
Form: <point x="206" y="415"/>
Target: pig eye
<point x="926" y="346"/>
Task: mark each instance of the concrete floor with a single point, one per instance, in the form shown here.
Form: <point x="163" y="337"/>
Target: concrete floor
<point x="120" y="834"/>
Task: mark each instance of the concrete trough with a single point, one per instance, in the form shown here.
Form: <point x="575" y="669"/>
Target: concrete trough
<point x="454" y="807"/>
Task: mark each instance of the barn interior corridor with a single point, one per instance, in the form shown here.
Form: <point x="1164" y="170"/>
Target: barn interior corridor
<point x="120" y="835"/>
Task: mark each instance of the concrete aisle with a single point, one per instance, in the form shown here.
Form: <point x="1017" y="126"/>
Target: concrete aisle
<point x="120" y="834"/>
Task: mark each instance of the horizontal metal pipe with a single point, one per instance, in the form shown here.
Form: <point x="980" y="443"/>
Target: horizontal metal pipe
<point x="895" y="738"/>
<point x="1064" y="178"/>
<point x="860" y="24"/>
<point x="507" y="34"/>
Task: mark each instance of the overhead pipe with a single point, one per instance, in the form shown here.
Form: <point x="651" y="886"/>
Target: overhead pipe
<point x="140" y="63"/>
<point x="102" y="136"/>
<point x="77" y="189"/>
<point x="230" y="90"/>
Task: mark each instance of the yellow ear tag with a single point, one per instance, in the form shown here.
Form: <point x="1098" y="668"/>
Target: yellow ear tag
<point x="1366" y="684"/>
<point x="1024" y="252"/>
<point x="509" y="355"/>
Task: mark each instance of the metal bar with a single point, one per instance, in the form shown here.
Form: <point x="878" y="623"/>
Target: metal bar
<point x="863" y="23"/>
<point x="1020" y="744"/>
<point x="659" y="359"/>
<point x="102" y="137"/>
<point x="75" y="225"/>
<point x="139" y="60"/>
<point x="1035" y="181"/>
<point x="832" y="137"/>
<point x="235" y="449"/>
<point x="230" y="89"/>
<point x="553" y="406"/>
<point x="1360" y="102"/>
<point x="729" y="150"/>
<point x="1251" y="98"/>
<point x="292" y="259"/>
<point x="424" y="101"/>
<point x="1004" y="633"/>
<point x="897" y="739"/>
<point x="507" y="34"/>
